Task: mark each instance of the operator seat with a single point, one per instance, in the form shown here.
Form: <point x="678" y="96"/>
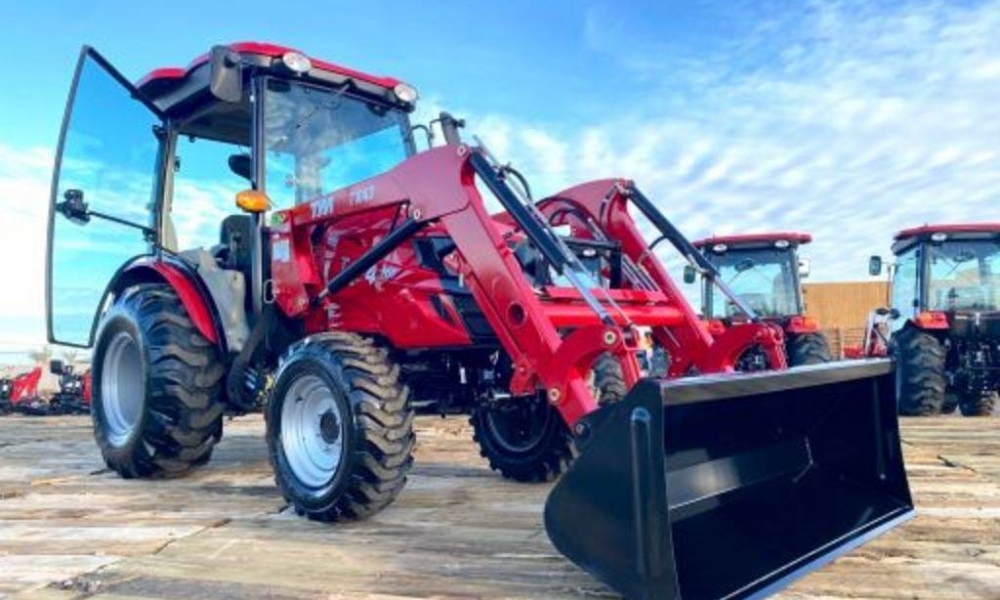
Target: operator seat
<point x="236" y="244"/>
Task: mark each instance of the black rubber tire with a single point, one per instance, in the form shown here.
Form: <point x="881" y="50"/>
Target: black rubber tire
<point x="920" y="373"/>
<point x="182" y="407"/>
<point x="378" y="442"/>
<point x="543" y="457"/>
<point x="808" y="349"/>
<point x="608" y="379"/>
<point x="978" y="405"/>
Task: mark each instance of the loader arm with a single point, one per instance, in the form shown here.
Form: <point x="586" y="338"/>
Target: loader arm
<point x="605" y="204"/>
<point x="439" y="186"/>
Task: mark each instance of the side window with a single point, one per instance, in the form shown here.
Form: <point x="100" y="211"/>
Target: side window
<point x="904" y="284"/>
<point x="205" y="189"/>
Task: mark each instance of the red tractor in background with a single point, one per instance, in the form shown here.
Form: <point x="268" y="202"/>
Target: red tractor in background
<point x="361" y="273"/>
<point x="766" y="272"/>
<point x="73" y="397"/>
<point x="20" y="393"/>
<point x="944" y="318"/>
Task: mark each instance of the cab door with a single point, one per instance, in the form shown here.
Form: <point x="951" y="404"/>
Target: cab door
<point x="106" y="190"/>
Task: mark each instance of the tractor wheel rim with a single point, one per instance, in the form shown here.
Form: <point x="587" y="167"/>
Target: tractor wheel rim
<point x="312" y="431"/>
<point x="520" y="428"/>
<point x="122" y="393"/>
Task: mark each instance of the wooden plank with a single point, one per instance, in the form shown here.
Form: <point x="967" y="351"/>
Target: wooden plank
<point x="70" y="530"/>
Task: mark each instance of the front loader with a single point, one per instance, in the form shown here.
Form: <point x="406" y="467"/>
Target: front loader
<point x="360" y="273"/>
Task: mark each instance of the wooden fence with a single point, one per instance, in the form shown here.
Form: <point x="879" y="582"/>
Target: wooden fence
<point x="842" y="309"/>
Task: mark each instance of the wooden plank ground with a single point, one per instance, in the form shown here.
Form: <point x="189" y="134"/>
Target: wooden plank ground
<point x="71" y="530"/>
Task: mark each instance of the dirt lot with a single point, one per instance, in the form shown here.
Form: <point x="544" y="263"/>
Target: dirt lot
<point x="70" y="529"/>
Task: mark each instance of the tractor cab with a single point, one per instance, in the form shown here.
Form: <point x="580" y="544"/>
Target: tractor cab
<point x="948" y="275"/>
<point x="763" y="269"/>
<point x="153" y="169"/>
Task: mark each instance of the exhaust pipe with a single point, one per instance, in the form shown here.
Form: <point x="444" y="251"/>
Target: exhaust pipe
<point x="732" y="486"/>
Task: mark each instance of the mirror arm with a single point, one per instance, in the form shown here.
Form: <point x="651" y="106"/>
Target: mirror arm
<point x="148" y="231"/>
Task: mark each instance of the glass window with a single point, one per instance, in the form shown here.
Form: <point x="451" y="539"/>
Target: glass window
<point x="904" y="284"/>
<point x="205" y="191"/>
<point x="109" y="153"/>
<point x="964" y="275"/>
<point x="763" y="278"/>
<point x="320" y="140"/>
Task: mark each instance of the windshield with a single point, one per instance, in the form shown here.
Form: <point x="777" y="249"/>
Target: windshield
<point x="320" y="140"/>
<point x="963" y="275"/>
<point x="763" y="278"/>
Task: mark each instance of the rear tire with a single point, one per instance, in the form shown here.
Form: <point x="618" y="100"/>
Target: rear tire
<point x="978" y="405"/>
<point x="157" y="385"/>
<point x="808" y="349"/>
<point x="920" y="373"/>
<point x="339" y="428"/>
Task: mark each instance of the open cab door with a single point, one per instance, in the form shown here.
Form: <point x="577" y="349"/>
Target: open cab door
<point x="106" y="190"/>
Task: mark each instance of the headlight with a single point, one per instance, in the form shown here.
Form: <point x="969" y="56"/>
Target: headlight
<point x="405" y="92"/>
<point x="781" y="244"/>
<point x="939" y="237"/>
<point x="297" y="62"/>
<point x="719" y="248"/>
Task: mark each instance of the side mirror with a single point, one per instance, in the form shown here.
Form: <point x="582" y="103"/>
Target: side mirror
<point x="690" y="274"/>
<point x="242" y="165"/>
<point x="56" y="367"/>
<point x="875" y="266"/>
<point x="225" y="74"/>
<point x="892" y="313"/>
<point x="805" y="267"/>
<point x="73" y="207"/>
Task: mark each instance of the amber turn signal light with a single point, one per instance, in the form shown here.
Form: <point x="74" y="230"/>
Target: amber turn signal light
<point x="253" y="201"/>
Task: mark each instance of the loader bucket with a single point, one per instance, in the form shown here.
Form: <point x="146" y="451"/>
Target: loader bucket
<point x="732" y="486"/>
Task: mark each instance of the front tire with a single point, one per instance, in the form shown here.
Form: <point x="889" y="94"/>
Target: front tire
<point x="808" y="349"/>
<point x="157" y="385"/>
<point x="339" y="428"/>
<point x="978" y="405"/>
<point x="524" y="439"/>
<point x="920" y="373"/>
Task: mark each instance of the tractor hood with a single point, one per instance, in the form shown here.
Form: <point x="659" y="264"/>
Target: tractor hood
<point x="974" y="324"/>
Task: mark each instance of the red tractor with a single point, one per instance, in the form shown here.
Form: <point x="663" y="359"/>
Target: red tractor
<point x="20" y="393"/>
<point x="766" y="272"/>
<point x="359" y="273"/>
<point x="73" y="397"/>
<point x="944" y="318"/>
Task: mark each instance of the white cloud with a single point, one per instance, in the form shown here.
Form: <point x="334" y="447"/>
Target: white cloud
<point x="867" y="120"/>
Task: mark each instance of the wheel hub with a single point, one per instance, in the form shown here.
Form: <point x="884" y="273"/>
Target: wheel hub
<point x="329" y="427"/>
<point x="312" y="434"/>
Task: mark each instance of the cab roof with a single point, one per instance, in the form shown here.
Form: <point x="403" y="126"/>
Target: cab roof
<point x="960" y="228"/>
<point x="184" y="95"/>
<point x="159" y="80"/>
<point x="754" y="240"/>
<point x="907" y="238"/>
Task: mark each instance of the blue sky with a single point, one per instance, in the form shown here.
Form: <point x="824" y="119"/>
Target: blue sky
<point x="847" y="119"/>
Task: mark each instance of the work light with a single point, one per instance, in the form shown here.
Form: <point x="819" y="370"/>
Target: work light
<point x="297" y="62"/>
<point x="405" y="92"/>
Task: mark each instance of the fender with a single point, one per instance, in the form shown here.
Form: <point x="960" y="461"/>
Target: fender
<point x="186" y="283"/>
<point x="801" y="324"/>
